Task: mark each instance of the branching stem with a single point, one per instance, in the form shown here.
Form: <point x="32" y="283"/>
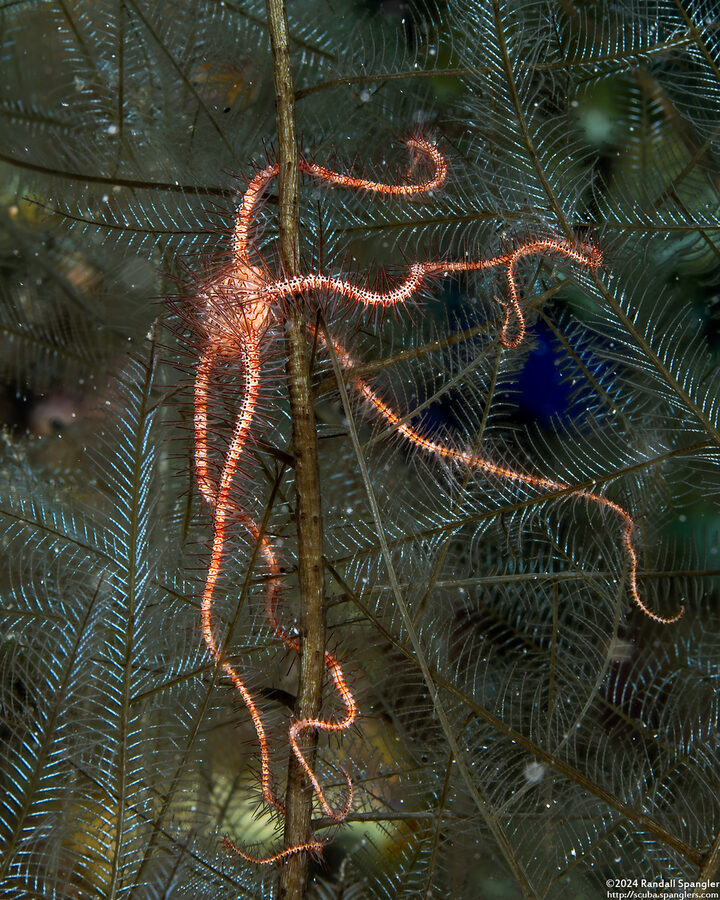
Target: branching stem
<point x="298" y="799"/>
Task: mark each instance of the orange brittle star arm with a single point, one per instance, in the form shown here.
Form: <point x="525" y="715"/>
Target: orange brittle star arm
<point x="220" y="499"/>
<point x="584" y="254"/>
<point x="247" y="342"/>
<point x="314" y="847"/>
<point x="472" y="460"/>
<point x="202" y="391"/>
<point x="248" y="205"/>
<point x="222" y="513"/>
<point x="301" y="725"/>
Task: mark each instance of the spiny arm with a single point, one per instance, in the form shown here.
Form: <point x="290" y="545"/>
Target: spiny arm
<point x="437" y="179"/>
<point x="248" y="205"/>
<point x="475" y="461"/>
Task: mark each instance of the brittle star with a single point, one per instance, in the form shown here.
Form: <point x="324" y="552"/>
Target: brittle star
<point x="236" y="309"/>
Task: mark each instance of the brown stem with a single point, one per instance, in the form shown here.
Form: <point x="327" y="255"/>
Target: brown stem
<point x="298" y="799"/>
